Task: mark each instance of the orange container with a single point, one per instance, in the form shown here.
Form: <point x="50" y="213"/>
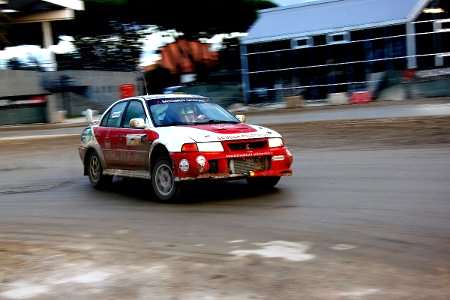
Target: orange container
<point x="360" y="97"/>
<point x="127" y="90"/>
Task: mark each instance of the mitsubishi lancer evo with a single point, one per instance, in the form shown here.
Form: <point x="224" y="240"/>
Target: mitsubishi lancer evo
<point x="173" y="139"/>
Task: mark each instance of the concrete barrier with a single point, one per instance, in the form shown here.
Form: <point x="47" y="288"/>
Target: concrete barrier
<point x="294" y="101"/>
<point x="393" y="93"/>
<point x="20" y="83"/>
<point x="337" y="98"/>
<point x="85" y="89"/>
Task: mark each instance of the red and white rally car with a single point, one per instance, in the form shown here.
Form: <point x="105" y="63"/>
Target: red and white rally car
<point x="171" y="139"/>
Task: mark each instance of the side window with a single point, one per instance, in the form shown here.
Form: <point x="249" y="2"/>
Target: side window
<point x="115" y="115"/>
<point x="134" y="110"/>
<point x="105" y="119"/>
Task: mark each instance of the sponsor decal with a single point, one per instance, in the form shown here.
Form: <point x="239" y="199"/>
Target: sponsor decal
<point x="116" y="115"/>
<point x="181" y="100"/>
<point x="242" y="136"/>
<point x="136" y="139"/>
<point x="252" y="154"/>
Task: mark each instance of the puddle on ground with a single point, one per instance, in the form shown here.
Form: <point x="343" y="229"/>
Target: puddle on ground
<point x="291" y="251"/>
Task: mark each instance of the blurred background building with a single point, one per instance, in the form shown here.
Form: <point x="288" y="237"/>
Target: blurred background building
<point x="23" y="96"/>
<point x="31" y="20"/>
<point x="321" y="49"/>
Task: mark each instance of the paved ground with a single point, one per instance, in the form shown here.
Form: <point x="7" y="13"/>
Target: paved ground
<point x="339" y="113"/>
<point x="355" y="113"/>
<point x="353" y="223"/>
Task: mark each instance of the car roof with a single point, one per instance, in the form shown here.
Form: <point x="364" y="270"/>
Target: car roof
<point x="169" y="98"/>
<point x="172" y="96"/>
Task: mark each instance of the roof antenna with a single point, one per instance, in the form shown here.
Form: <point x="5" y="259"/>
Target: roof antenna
<point x="145" y="81"/>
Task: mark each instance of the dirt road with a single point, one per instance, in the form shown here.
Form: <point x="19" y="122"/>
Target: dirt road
<point x="366" y="216"/>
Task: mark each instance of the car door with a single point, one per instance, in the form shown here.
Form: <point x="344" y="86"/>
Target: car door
<point x="137" y="141"/>
<point x="113" y="138"/>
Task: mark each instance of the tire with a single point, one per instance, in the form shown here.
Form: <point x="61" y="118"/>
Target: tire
<point x="263" y="182"/>
<point x="95" y="172"/>
<point x="163" y="181"/>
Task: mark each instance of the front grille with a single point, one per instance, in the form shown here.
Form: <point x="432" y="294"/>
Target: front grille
<point x="244" y="166"/>
<point x="247" y="145"/>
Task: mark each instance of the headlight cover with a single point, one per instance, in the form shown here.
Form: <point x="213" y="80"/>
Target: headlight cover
<point x="275" y="142"/>
<point x="210" y="147"/>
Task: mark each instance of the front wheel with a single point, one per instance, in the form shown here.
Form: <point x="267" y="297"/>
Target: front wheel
<point x="263" y="182"/>
<point x="163" y="181"/>
<point x="95" y="172"/>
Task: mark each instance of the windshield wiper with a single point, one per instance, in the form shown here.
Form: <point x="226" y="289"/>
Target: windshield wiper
<point x="172" y="124"/>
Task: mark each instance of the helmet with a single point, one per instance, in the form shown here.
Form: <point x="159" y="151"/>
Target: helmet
<point x="188" y="110"/>
<point x="189" y="114"/>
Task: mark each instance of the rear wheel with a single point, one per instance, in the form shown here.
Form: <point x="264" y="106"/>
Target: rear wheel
<point x="163" y="181"/>
<point x="95" y="172"/>
<point x="263" y="182"/>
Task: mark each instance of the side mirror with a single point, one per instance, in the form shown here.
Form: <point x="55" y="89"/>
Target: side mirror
<point x="241" y="118"/>
<point x="137" y="123"/>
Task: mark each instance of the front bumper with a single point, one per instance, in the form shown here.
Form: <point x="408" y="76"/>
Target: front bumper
<point x="271" y="162"/>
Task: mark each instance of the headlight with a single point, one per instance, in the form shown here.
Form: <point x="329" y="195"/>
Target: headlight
<point x="184" y="165"/>
<point x="86" y="135"/>
<point x="210" y="147"/>
<point x="275" y="142"/>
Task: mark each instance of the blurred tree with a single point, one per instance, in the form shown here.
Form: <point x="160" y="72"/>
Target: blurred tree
<point x="228" y="68"/>
<point x="195" y="18"/>
<point x="158" y="79"/>
<point x="34" y="64"/>
<point x="4" y="20"/>
<point x="108" y="32"/>
<point x="230" y="55"/>
<point x="31" y="64"/>
<point x="15" y="64"/>
<point x="118" y="51"/>
<point x="201" y="18"/>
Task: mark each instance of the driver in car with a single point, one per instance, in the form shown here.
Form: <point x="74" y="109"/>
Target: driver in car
<point x="191" y="115"/>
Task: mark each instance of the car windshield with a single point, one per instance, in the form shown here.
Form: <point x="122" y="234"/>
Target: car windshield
<point x="189" y="113"/>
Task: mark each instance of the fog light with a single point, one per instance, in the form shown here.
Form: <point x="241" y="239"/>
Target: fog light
<point x="201" y="160"/>
<point x="277" y="157"/>
<point x="203" y="165"/>
<point x="184" y="165"/>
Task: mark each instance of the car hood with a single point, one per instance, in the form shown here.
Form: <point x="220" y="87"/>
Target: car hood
<point x="218" y="132"/>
